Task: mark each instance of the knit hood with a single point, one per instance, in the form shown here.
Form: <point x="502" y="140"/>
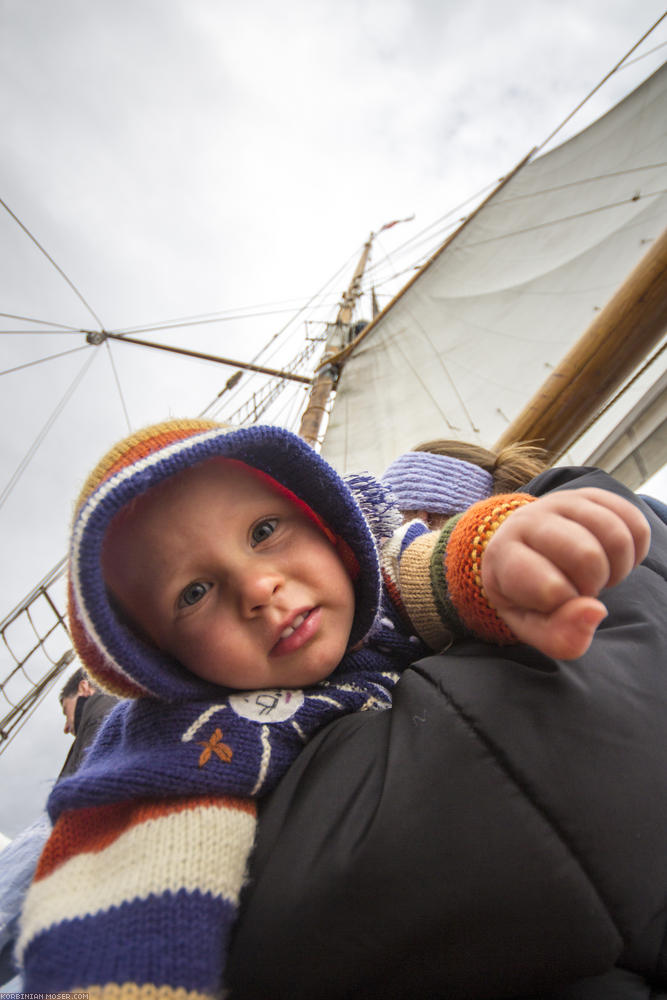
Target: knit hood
<point x="358" y="512"/>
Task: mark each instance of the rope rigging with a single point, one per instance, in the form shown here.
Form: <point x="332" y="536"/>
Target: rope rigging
<point x="176" y="325"/>
<point x="415" y="242"/>
<point x="40" y="361"/>
<point x="118" y="386"/>
<point x="570" y="218"/>
<point x="30" y="319"/>
<point x="604" y="79"/>
<point x="53" y="263"/>
<point x="30" y="454"/>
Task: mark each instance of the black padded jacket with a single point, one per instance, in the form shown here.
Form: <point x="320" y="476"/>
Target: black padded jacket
<point x="500" y="833"/>
<point x="90" y="712"/>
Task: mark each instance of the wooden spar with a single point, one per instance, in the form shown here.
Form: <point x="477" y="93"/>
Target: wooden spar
<point x="327" y="373"/>
<point x="97" y="337"/>
<point x="620" y="336"/>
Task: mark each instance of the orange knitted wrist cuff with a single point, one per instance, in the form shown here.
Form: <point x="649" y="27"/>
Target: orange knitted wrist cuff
<point x="463" y="565"/>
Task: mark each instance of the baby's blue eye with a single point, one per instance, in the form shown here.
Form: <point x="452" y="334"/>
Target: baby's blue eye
<point x="263" y="530"/>
<point x="193" y="593"/>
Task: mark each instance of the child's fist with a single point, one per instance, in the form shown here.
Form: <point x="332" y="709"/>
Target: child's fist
<point x="545" y="565"/>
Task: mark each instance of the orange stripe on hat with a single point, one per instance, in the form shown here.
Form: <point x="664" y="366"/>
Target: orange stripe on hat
<point x="141" y="445"/>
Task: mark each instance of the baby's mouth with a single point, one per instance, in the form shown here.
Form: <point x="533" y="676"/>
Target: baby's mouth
<point x="299" y="620"/>
<point x="299" y="632"/>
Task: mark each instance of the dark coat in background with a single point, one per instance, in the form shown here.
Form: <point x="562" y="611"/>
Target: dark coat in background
<point x="500" y="833"/>
<point x="89" y="714"/>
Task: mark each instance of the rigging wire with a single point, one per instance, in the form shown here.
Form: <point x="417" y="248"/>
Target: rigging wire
<point x="288" y="403"/>
<point x="249" y="379"/>
<point x="551" y="222"/>
<point x="52" y="261"/>
<point x="37" y="333"/>
<point x="437" y="222"/>
<point x="518" y="232"/>
<point x="45" y="322"/>
<point x="411" y="269"/>
<point x="292" y="418"/>
<point x="532" y="194"/>
<point x="310" y="303"/>
<point x="200" y="322"/>
<point x="118" y="386"/>
<point x="583" y="180"/>
<point x="430" y="246"/>
<point x="265" y="352"/>
<point x="388" y="258"/>
<point x="40" y="361"/>
<point x="240" y="312"/>
<point x="644" y="55"/>
<point x="602" y="81"/>
<point x="30" y="454"/>
<point x="567" y="218"/>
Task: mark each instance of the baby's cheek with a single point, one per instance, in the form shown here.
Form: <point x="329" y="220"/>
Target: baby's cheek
<point x="341" y="648"/>
<point x="190" y="653"/>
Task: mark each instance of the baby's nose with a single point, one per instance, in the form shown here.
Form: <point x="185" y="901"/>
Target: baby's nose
<point x="257" y="588"/>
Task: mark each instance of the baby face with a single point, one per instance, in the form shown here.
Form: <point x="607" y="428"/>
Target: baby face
<point x="230" y="577"/>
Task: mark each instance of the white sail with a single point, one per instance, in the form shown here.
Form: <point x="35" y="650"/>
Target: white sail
<point x="463" y="348"/>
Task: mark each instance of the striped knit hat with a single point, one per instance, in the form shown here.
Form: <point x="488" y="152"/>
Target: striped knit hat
<point x="112" y="653"/>
<point x="439" y="484"/>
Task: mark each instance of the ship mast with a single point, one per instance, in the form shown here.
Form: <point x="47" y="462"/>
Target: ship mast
<point x="339" y="335"/>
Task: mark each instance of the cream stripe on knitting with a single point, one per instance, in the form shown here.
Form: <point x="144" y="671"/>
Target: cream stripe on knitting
<point x="82" y="519"/>
<point x="391" y="552"/>
<point x="201" y="720"/>
<point x="417" y="594"/>
<point x="204" y="848"/>
<point x="266" y="757"/>
<point x="122" y="991"/>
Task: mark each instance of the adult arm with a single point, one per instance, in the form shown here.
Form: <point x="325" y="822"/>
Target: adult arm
<point x="499" y="832"/>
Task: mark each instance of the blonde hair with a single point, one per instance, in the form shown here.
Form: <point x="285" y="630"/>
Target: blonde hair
<point x="511" y="467"/>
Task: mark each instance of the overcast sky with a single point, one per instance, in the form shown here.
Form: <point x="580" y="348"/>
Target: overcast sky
<point x="187" y="157"/>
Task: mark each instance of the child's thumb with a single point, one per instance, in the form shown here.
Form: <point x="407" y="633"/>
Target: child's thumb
<point x="565" y="634"/>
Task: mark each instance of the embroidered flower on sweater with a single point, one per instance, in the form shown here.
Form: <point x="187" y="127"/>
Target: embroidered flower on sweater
<point x="215" y="745"/>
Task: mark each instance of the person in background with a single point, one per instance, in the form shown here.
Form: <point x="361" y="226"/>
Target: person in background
<point x="84" y="707"/>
